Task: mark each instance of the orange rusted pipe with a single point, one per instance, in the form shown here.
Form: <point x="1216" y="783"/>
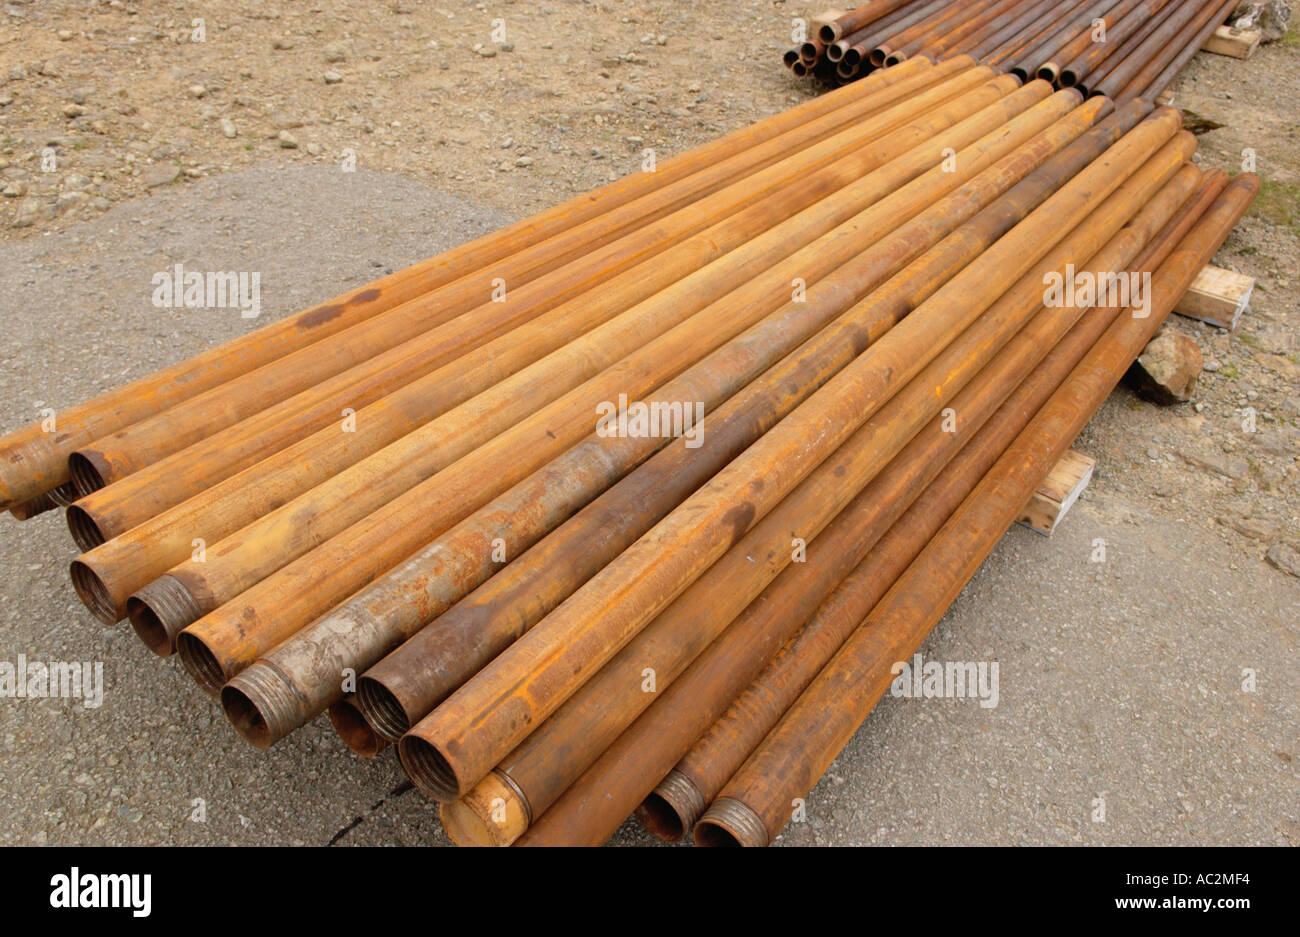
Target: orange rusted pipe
<point x="34" y="460"/>
<point x="754" y="806"/>
<point x="375" y="357"/>
<point x="456" y="646"/>
<point x="109" y="574"/>
<point x="260" y="711"/>
<point x="470" y="732"/>
<point x="257" y="551"/>
<point x="595" y="805"/>
<point x="556" y="753"/>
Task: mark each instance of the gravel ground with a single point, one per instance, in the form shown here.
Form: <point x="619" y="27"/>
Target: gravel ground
<point x="1120" y="680"/>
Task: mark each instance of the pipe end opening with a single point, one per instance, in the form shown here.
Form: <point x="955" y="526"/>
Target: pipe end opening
<point x="86" y="474"/>
<point x="93" y="593"/>
<point x="382" y="710"/>
<point x="429" y="770"/>
<point x="730" y="823"/>
<point x="261" y="705"/>
<point x="85" y="532"/>
<point x="200" y="663"/>
<point x="160" y="611"/>
<point x="353" y="729"/>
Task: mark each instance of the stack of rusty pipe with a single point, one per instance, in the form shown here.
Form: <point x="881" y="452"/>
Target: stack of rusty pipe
<point x="428" y="507"/>
<point x="1122" y="49"/>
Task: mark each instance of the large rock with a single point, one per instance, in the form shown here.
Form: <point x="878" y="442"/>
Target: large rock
<point x="1268" y="16"/>
<point x="1167" y="370"/>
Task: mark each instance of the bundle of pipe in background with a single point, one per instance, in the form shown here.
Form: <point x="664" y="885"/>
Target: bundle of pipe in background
<point x="502" y="575"/>
<point x="1120" y="48"/>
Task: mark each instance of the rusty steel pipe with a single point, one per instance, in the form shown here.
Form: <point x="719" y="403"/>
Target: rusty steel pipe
<point x="1157" y="75"/>
<point x="26" y="510"/>
<point x="754" y="805"/>
<point x="1001" y="22"/>
<point x="107" y="575"/>
<point x="942" y="14"/>
<point x="678" y="801"/>
<point x="1084" y="39"/>
<point x="964" y="36"/>
<point x="1035" y="33"/>
<point x="261" y="703"/>
<point x="952" y="21"/>
<point x="406" y="685"/>
<point x="857" y="47"/>
<point x="863" y="16"/>
<point x="375" y="358"/>
<point x="260" y="549"/>
<point x="594" y="806"/>
<point x="1128" y="24"/>
<point x="1028" y="14"/>
<point x="555" y="754"/>
<point x="810" y="51"/>
<point x="33" y="461"/>
<point x="352" y="728"/>
<point x="1067" y="28"/>
<point x="460" y="742"/>
<point x="1115" y="55"/>
<point x="1125" y="71"/>
<point x="662" y="483"/>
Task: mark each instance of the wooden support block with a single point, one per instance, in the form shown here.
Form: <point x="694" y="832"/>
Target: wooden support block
<point x="1058" y="492"/>
<point x="1238" y="43"/>
<point x="1218" y="297"/>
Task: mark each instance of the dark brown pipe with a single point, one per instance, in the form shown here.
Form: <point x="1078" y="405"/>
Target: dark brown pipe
<point x="1028" y="15"/>
<point x="863" y="16"/>
<point x="1153" y="79"/>
<point x="1038" y="31"/>
<point x="858" y="46"/>
<point x="882" y="54"/>
<point x="1115" y="55"/>
<point x="1084" y="39"/>
<point x="1126" y="71"/>
<point x="1131" y="22"/>
<point x="1068" y="28"/>
<point x="958" y="25"/>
